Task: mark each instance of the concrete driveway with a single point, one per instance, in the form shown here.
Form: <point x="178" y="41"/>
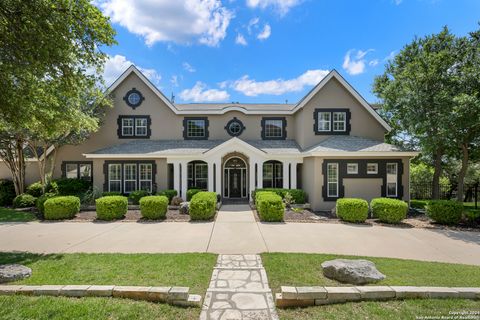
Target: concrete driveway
<point x="236" y="231"/>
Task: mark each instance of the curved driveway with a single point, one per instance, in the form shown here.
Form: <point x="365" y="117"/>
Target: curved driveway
<point x="235" y="231"/>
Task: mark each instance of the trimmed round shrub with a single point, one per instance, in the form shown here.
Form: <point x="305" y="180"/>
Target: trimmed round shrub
<point x="135" y="196"/>
<point x="40" y="203"/>
<point x="445" y="211"/>
<point x="176" y="201"/>
<point x="191" y="193"/>
<point x="389" y="210"/>
<point x="298" y="195"/>
<point x="269" y="206"/>
<point x="111" y="193"/>
<point x="35" y="189"/>
<point x="203" y="206"/>
<point x="169" y="193"/>
<point x="154" y="207"/>
<point x="418" y="204"/>
<point x="7" y="192"/>
<point x="352" y="209"/>
<point x="111" y="207"/>
<point x="24" y="200"/>
<point x="69" y="186"/>
<point x="62" y="207"/>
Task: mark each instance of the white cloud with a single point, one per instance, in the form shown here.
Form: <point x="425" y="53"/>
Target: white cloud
<point x="373" y="62"/>
<point x="253" y="23"/>
<point x="355" y="65"/>
<point x="252" y="88"/>
<point x="390" y="56"/>
<point x="282" y="6"/>
<point x="174" y="80"/>
<point x="116" y="65"/>
<point x="179" y="21"/>
<point x="188" y="67"/>
<point x="266" y="32"/>
<point x="240" y="39"/>
<point x="200" y="93"/>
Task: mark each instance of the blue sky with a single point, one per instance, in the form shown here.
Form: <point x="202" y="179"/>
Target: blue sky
<point x="269" y="50"/>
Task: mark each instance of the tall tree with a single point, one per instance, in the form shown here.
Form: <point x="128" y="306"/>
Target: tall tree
<point x="417" y="92"/>
<point x="46" y="46"/>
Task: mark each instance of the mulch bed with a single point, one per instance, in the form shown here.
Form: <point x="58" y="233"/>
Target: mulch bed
<point x="133" y="216"/>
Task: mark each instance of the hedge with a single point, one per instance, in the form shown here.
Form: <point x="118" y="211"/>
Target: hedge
<point x="24" y="200"/>
<point x="352" y="209"/>
<point x="191" y="193"/>
<point x="389" y="210"/>
<point x="418" y="204"/>
<point x="40" y="203"/>
<point x="169" y="193"/>
<point x="7" y="192"/>
<point x="203" y="205"/>
<point x="445" y="211"/>
<point x="58" y="208"/>
<point x="135" y="196"/>
<point x="35" y="189"/>
<point x="154" y="207"/>
<point x="111" y="207"/>
<point x="298" y="195"/>
<point x="269" y="206"/>
<point x="69" y="186"/>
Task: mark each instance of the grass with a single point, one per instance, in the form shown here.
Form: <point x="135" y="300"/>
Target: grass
<point x="297" y="269"/>
<point x="10" y="215"/>
<point x="190" y="270"/>
<point x="292" y="269"/>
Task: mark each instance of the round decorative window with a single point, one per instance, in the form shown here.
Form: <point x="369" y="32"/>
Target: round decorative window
<point x="133" y="98"/>
<point x="234" y="127"/>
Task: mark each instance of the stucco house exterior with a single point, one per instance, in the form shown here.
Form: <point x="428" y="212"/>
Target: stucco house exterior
<point x="330" y="144"/>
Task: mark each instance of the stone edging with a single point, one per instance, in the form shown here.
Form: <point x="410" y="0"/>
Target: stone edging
<point x="171" y="295"/>
<point x="310" y="296"/>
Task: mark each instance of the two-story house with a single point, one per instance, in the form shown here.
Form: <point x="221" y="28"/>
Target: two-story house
<point x="330" y="143"/>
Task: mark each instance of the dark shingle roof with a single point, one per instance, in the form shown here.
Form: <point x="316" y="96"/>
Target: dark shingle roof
<point x="352" y="144"/>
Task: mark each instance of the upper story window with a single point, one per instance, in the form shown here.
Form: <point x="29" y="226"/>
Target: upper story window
<point x="332" y="121"/>
<point x="195" y="128"/>
<point x="134" y="127"/>
<point x="274" y="128"/>
<point x="133" y="98"/>
<point x="234" y="127"/>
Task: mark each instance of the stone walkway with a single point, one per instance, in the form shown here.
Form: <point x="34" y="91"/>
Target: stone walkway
<point x="238" y="290"/>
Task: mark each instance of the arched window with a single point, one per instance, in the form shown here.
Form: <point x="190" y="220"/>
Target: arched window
<point x="197" y="175"/>
<point x="272" y="174"/>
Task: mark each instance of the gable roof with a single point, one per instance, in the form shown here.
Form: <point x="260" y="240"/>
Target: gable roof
<point x="246" y="108"/>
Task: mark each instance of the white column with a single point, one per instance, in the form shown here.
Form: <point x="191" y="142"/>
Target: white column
<point x="293" y="183"/>
<point x="218" y="177"/>
<point x="176" y="177"/>
<point x="211" y="183"/>
<point x="184" y="180"/>
<point x="285" y="174"/>
<point x="251" y="178"/>
<point x="259" y="174"/>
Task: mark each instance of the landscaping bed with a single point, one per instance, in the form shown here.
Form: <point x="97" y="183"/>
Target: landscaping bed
<point x="133" y="215"/>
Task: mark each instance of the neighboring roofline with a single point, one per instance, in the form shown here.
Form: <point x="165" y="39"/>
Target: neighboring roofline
<point x="334" y="74"/>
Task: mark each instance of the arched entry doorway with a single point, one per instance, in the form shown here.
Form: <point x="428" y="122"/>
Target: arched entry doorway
<point x="235" y="183"/>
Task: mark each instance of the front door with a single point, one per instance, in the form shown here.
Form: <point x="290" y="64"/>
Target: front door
<point x="235" y="183"/>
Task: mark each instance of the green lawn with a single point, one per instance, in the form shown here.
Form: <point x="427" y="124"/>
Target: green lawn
<point x="190" y="270"/>
<point x="292" y="269"/>
<point x="10" y="215"/>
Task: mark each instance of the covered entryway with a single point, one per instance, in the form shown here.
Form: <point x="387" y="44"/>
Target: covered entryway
<point x="235" y="184"/>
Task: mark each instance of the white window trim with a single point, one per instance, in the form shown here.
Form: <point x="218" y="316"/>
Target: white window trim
<point x="140" y="180"/>
<point x="321" y="121"/>
<point x="356" y="168"/>
<point x="344" y="121"/>
<point x="141" y="126"/>
<point x="267" y="135"/>
<point x="396" y="179"/>
<point x="376" y="168"/>
<point x="204" y="128"/>
<point x="114" y="180"/>
<point x="331" y="182"/>
<point x="124" y="126"/>
<point x="125" y="165"/>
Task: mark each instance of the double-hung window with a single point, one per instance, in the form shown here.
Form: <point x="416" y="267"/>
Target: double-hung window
<point x="339" y="121"/>
<point x="392" y="179"/>
<point x="195" y="128"/>
<point x="201" y="175"/>
<point x="134" y="127"/>
<point x="324" y="121"/>
<point x="126" y="177"/>
<point x="115" y="177"/>
<point x="332" y="180"/>
<point x="332" y="121"/>
<point x="274" y="128"/>
<point x="77" y="170"/>
<point x="145" y="176"/>
<point x="129" y="177"/>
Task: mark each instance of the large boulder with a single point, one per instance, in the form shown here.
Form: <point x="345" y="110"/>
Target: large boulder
<point x="12" y="272"/>
<point x="184" y="207"/>
<point x="352" y="271"/>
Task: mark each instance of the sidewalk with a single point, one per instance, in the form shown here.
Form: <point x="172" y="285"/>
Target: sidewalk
<point x="236" y="231"/>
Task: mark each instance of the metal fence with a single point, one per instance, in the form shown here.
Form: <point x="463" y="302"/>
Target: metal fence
<point x="424" y="192"/>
